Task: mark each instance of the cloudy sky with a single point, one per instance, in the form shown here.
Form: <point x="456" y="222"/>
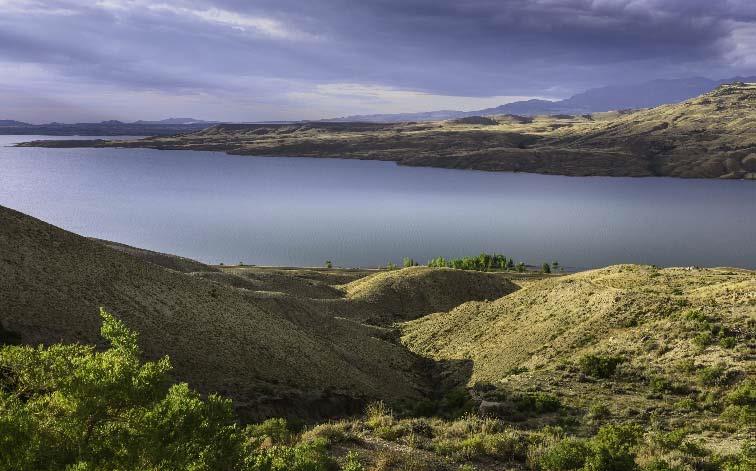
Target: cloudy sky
<point x="247" y="60"/>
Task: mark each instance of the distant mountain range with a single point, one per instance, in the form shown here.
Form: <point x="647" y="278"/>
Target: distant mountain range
<point x="163" y="127"/>
<point x="609" y="98"/>
<point x="613" y="97"/>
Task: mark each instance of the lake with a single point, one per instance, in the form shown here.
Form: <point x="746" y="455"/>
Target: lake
<point x="300" y="211"/>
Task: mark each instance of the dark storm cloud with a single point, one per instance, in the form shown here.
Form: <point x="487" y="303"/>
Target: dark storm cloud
<point x="268" y="49"/>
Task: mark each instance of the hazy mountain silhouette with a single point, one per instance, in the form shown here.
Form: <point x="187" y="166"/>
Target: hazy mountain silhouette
<point x="608" y="98"/>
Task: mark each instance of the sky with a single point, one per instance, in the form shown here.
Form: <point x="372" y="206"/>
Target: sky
<point x="251" y="60"/>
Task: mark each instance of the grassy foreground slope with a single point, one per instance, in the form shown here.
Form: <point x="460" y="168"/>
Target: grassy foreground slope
<point x="710" y="136"/>
<point x="632" y="342"/>
<point x="272" y="359"/>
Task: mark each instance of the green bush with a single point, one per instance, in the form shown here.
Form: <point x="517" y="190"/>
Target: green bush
<point x="352" y="462"/>
<point x="728" y="342"/>
<point x="309" y="456"/>
<point x="501" y="445"/>
<point x="599" y="411"/>
<point x="277" y="430"/>
<point x="613" y="448"/>
<point x="702" y="340"/>
<point x="538" y="403"/>
<point x="72" y="407"/>
<point x="744" y="394"/>
<point x="661" y="465"/>
<point x="599" y="366"/>
<point x="564" y="455"/>
<point x="713" y="375"/>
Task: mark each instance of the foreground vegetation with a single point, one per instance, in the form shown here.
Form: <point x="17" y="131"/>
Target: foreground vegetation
<point x="709" y="136"/>
<point x="72" y="407"/>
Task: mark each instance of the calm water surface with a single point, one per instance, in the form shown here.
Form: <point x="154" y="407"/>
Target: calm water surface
<point x="295" y="211"/>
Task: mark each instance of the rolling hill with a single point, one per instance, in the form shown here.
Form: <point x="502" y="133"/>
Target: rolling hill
<point x="284" y="361"/>
<point x="290" y="342"/>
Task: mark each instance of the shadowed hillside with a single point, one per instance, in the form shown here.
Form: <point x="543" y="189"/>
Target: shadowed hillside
<point x="710" y="136"/>
<point x="164" y="260"/>
<point x="278" y="341"/>
<point x="270" y="362"/>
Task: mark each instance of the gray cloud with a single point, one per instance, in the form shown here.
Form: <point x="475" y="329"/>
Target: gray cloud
<point x="256" y="56"/>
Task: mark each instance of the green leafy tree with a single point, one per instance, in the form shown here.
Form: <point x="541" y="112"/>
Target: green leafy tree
<point x="72" y="407"/>
<point x="546" y="268"/>
<point x="328" y="264"/>
<point x="409" y="262"/>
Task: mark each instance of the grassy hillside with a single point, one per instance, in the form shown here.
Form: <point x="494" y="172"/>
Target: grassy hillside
<point x="284" y="359"/>
<point x="278" y="341"/>
<point x="629" y="342"/>
<point x="173" y="262"/>
<point x="710" y="136"/>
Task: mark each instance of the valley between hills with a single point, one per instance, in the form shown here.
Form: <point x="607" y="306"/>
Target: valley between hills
<point x="709" y="136"/>
<point x="418" y="368"/>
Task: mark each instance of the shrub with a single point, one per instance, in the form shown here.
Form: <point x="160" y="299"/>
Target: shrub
<point x="744" y="394"/>
<point x="598" y="411"/>
<point x="328" y="264"/>
<point x="309" y="456"/>
<point x="702" y="340"/>
<point x="661" y="384"/>
<point x="378" y="414"/>
<point x="686" y="404"/>
<point x="713" y="375"/>
<point x="277" y="430"/>
<point x="538" y="403"/>
<point x="564" y="455"/>
<point x="546" y="268"/>
<point x="661" y="465"/>
<point x="613" y="448"/>
<point x="728" y="342"/>
<point x="599" y="366"/>
<point x="331" y="432"/>
<point x="502" y="445"/>
<point x="743" y="461"/>
<point x="352" y="462"/>
<point x="738" y="415"/>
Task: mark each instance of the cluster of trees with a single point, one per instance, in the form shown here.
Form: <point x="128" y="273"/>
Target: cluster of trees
<point x="482" y="262"/>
